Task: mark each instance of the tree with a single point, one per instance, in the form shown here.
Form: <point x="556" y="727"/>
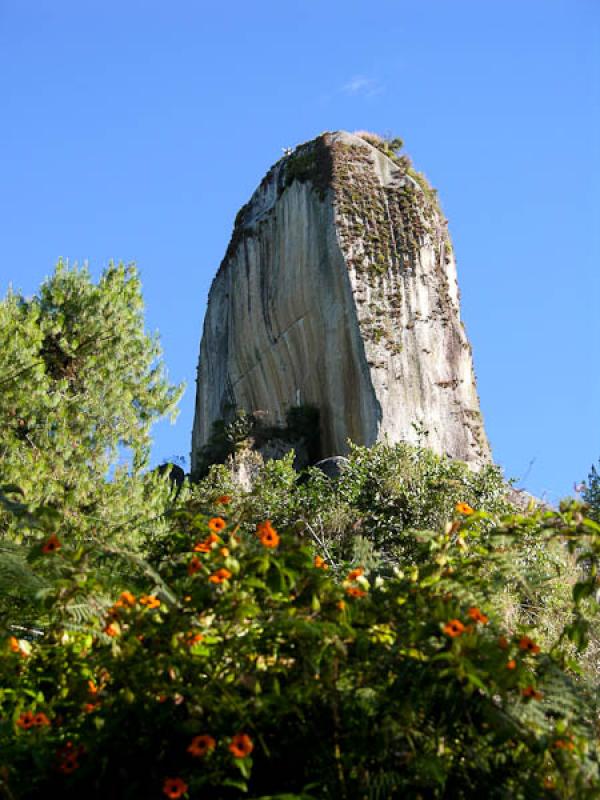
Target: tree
<point x="81" y="383"/>
<point x="80" y="379"/>
<point x="591" y="493"/>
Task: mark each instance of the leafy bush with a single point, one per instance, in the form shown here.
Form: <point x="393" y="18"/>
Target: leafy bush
<point x="384" y="493"/>
<point x="236" y="663"/>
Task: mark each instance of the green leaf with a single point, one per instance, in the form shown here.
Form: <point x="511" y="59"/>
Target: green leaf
<point x="235" y="783"/>
<point x="581" y="590"/>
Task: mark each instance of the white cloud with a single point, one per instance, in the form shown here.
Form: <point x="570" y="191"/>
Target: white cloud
<point x="361" y="85"/>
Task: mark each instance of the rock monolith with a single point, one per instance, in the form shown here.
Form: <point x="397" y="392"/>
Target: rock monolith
<point x="339" y="290"/>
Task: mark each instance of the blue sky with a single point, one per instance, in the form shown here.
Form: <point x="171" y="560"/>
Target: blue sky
<point x="134" y="130"/>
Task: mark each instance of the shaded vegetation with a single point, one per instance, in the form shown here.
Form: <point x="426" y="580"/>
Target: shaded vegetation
<point x="247" y="430"/>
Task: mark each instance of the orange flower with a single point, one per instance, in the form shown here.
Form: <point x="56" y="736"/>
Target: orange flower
<point x="241" y="745"/>
<point x="16" y="647"/>
<point x="220" y="575"/>
<point x="69" y="764"/>
<point x="224" y="552"/>
<point x="68" y="750"/>
<point x="503" y="643"/>
<point x="174" y="787"/>
<point x="216" y="524"/>
<point x="355" y="573"/>
<point x="194" y="566"/>
<point x="264" y="526"/>
<point x="354" y="591"/>
<point x="113" y="611"/>
<point x="563" y="744"/>
<point x="26" y="720"/>
<point x="463" y="508"/>
<point x="476" y="615"/>
<point x="223" y="500"/>
<point x="525" y="643"/>
<point x="320" y="563"/>
<point x="206" y="545"/>
<point x="41" y="720"/>
<point x="512" y="664"/>
<point x="269" y="537"/>
<point x="201" y="745"/>
<point x="89" y="707"/>
<point x="112" y="629"/>
<point x="530" y="693"/>
<point x="52" y="544"/>
<point x="127" y="599"/>
<point x="341" y="605"/>
<point x="454" y="628"/>
<point x="192" y="638"/>
<point x="150" y="601"/>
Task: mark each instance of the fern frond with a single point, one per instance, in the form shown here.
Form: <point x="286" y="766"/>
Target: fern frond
<point x="16" y="576"/>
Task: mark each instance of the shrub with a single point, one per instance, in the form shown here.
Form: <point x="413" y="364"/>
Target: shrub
<point x="236" y="663"/>
<point x="384" y="493"/>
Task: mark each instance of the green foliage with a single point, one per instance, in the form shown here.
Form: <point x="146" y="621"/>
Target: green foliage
<point x="225" y="439"/>
<point x="377" y="638"/>
<point x="80" y="379"/>
<point x="354" y="687"/>
<point x="428" y="190"/>
<point x="384" y="493"/>
<point x="373" y="513"/>
<point x="394" y="144"/>
<point x="591" y="493"/>
<point x="310" y="162"/>
<point x="81" y="384"/>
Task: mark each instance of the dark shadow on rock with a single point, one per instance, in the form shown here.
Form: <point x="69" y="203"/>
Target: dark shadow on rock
<point x="333" y="466"/>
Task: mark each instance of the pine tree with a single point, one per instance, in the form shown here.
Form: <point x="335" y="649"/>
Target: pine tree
<point x="591" y="493"/>
<point x="81" y="384"/>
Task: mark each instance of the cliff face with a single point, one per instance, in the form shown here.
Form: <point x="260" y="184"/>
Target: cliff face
<point x="339" y="290"/>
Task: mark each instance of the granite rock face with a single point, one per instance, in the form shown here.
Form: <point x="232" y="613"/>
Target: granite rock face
<point x="339" y="290"/>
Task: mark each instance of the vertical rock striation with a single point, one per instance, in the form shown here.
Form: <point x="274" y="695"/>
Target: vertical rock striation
<point x="339" y="290"/>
